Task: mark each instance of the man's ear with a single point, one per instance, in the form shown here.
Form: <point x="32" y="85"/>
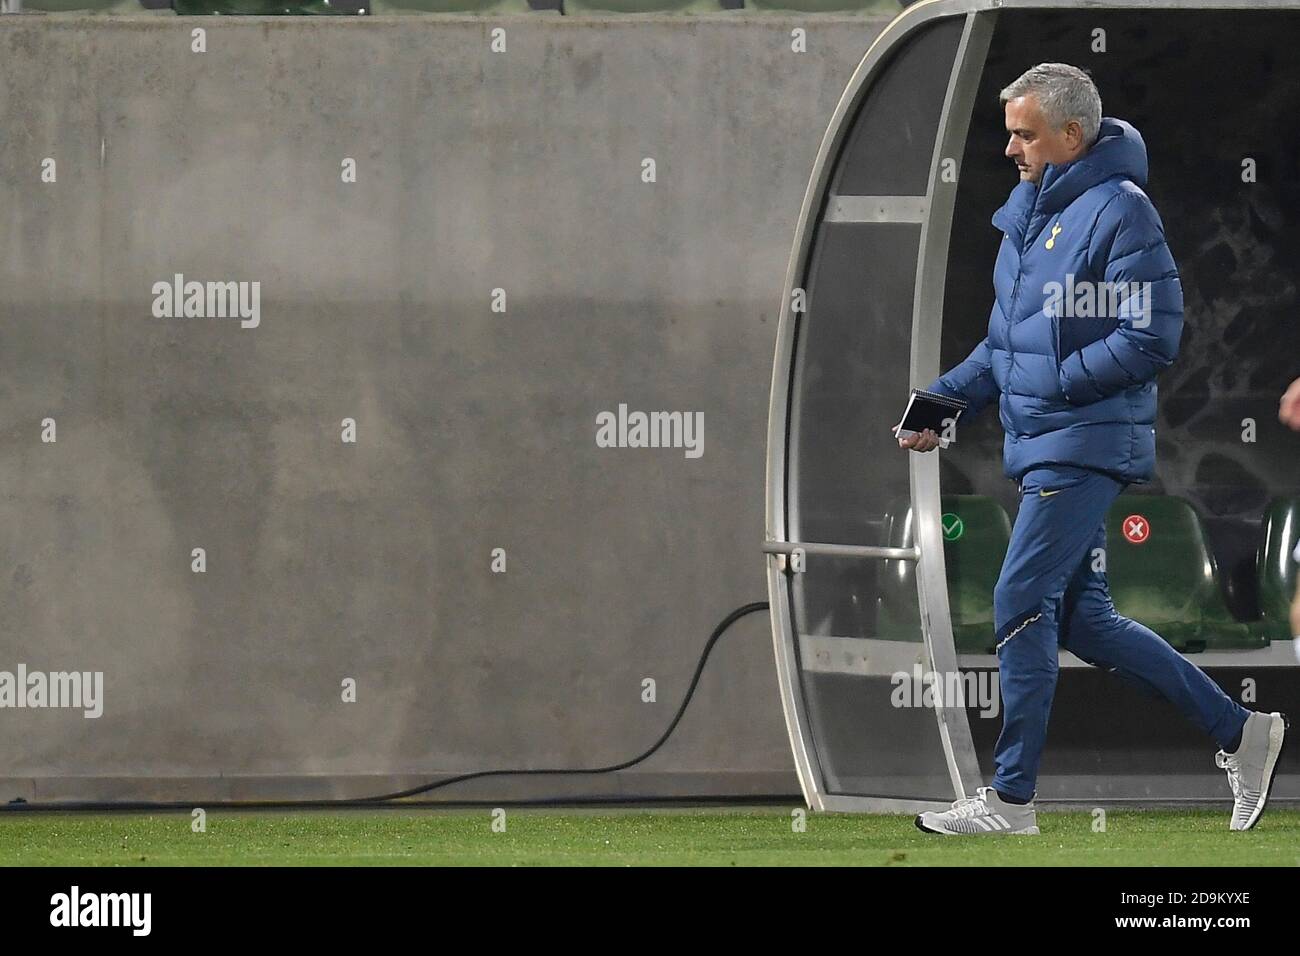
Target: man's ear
<point x="1074" y="134"/>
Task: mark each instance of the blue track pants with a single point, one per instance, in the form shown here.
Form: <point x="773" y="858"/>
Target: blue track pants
<point x="1051" y="592"/>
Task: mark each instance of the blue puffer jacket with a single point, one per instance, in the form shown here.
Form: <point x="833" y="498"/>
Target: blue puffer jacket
<point x="1077" y="380"/>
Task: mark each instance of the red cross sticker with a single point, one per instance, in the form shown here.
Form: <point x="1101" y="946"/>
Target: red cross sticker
<point x="1136" y="529"/>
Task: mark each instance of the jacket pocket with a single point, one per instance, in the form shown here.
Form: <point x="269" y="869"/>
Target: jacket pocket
<point x="1075" y="332"/>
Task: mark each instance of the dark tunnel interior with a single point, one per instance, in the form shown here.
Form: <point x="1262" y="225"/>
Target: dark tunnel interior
<point x="1236" y="243"/>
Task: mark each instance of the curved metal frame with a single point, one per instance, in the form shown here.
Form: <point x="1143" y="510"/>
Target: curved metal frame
<point x="934" y="212"/>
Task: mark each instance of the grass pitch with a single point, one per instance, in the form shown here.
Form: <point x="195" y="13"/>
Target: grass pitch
<point x="741" y="836"/>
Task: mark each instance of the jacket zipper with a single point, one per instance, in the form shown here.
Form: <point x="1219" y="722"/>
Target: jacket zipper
<point x="1015" y="289"/>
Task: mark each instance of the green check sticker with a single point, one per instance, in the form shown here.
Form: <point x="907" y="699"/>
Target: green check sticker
<point x="952" y="527"/>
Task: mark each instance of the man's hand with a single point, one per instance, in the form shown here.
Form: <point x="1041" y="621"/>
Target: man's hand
<point x="921" y="441"/>
<point x="1289" y="408"/>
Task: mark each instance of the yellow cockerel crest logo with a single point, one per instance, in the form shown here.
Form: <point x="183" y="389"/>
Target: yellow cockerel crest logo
<point x="1052" y="240"/>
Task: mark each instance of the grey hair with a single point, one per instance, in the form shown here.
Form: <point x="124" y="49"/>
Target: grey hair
<point x="1063" y="93"/>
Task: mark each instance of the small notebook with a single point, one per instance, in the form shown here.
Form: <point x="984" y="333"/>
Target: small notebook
<point x="933" y="411"/>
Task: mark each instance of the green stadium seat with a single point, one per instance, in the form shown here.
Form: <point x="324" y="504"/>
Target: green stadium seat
<point x="973" y="560"/>
<point x="604" y="8"/>
<point x="1276" y="570"/>
<point x="866" y="8"/>
<point x="1169" y="581"/>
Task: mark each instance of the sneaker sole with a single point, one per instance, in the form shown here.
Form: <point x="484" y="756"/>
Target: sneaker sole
<point x="1027" y="831"/>
<point x="1276" y="739"/>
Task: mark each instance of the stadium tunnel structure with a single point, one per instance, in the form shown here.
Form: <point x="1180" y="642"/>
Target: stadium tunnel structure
<point x="881" y="564"/>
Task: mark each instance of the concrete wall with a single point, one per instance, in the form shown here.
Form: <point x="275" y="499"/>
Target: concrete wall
<point x="476" y="429"/>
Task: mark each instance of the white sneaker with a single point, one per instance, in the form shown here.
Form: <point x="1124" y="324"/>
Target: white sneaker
<point x="1251" y="767"/>
<point x="985" y="812"/>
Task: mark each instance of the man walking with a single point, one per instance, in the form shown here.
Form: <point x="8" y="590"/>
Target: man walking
<point x="1088" y="310"/>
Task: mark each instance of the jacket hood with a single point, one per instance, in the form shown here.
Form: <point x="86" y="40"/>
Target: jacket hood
<point x="1118" y="151"/>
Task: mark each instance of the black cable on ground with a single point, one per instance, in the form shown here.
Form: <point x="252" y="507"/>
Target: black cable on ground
<point x="387" y="798"/>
